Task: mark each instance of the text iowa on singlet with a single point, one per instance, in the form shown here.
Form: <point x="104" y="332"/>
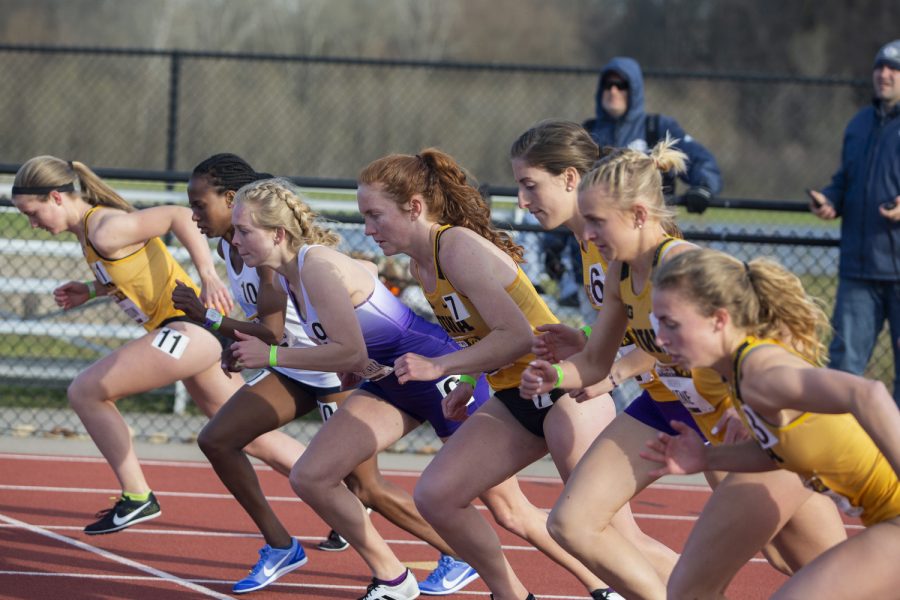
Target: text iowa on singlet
<point x="451" y="326"/>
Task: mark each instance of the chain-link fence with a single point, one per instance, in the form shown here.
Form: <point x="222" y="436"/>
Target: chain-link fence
<point x="42" y="348"/>
<point x="320" y="117"/>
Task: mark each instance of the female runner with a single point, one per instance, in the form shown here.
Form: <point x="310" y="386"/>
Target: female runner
<point x="754" y="325"/>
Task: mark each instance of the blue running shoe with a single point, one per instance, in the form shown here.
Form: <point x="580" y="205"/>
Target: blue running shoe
<point x="273" y="563"/>
<point x="450" y="576"/>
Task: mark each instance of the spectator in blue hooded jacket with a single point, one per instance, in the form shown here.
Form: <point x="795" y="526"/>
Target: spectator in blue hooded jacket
<point x="622" y="122"/>
<point x="865" y="193"/>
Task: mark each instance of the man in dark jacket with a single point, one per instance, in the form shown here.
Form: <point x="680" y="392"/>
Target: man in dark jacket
<point x="622" y="122"/>
<point x="865" y="193"/>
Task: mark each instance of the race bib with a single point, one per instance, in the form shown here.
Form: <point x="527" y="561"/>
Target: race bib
<point x="542" y="401"/>
<point x="100" y="273"/>
<point x="685" y="390"/>
<point x="447" y="385"/>
<point x="258" y="377"/>
<point x="326" y="409"/>
<point x="595" y="286"/>
<point x="375" y="371"/>
<point x="171" y="342"/>
<point x="133" y="310"/>
<point x="759" y="429"/>
<point x="456" y="307"/>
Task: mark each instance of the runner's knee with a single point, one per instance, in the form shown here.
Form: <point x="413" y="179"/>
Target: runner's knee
<point x="569" y="532"/>
<point x="211" y="440"/>
<point x="431" y="500"/>
<point x="83" y="394"/>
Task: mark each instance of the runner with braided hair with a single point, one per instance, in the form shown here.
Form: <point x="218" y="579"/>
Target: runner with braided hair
<point x="360" y="328"/>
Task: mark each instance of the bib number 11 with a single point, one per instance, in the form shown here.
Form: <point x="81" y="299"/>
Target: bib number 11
<point x="171" y="342"/>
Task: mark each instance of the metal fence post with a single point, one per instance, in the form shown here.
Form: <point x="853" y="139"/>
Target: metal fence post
<point x="172" y="128"/>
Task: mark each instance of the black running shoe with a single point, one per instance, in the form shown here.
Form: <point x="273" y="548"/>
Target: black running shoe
<point x="333" y="543"/>
<point x="124" y="514"/>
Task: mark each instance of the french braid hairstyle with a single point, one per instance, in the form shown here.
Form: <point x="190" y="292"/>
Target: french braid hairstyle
<point x="762" y="297"/>
<point x="631" y="177"/>
<point x="48" y="172"/>
<point x="276" y="203"/>
<point x="451" y="197"/>
<point x="227" y="172"/>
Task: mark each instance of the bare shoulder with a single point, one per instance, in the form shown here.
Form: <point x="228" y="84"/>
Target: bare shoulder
<point x="367" y="265"/>
<point x="106" y="220"/>
<point x="328" y="267"/>
<point x="767" y="372"/>
<point x="324" y="257"/>
<point x="463" y="252"/>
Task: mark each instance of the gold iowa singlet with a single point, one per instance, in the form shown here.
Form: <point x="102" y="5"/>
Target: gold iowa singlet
<point x="461" y="320"/>
<point x="701" y="391"/>
<point x="140" y="283"/>
<point x="832" y="453"/>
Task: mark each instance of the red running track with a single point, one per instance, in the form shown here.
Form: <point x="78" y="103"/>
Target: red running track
<point x="204" y="542"/>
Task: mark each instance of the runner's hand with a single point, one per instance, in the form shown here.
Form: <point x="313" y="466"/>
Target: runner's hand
<point x="681" y="454"/>
<point x="185" y="299"/>
<point x="249" y="352"/>
<point x="72" y="294"/>
<point x="414" y="367"/>
<point x="557" y="342"/>
<point x="538" y="378"/>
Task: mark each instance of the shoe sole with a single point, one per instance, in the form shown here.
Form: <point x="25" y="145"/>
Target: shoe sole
<point x="277" y="574"/>
<point x="125" y="525"/>
<point x="454" y="589"/>
<point x="332" y="548"/>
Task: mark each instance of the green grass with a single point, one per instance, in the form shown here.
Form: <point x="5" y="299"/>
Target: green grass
<point x="746" y="217"/>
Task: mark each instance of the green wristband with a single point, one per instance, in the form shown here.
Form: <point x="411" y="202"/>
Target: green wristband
<point x="273" y="356"/>
<point x="559" y="376"/>
<point x="92" y="291"/>
<point x="468" y="379"/>
<point x="587" y="331"/>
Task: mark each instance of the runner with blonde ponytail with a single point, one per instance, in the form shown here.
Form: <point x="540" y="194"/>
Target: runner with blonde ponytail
<point x="132" y="267"/>
<point x="622" y="203"/>
<point x="755" y="326"/>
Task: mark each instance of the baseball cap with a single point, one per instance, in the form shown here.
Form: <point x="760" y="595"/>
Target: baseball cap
<point x="888" y="55"/>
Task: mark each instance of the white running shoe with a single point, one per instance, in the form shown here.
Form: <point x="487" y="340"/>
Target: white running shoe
<point x="405" y="590"/>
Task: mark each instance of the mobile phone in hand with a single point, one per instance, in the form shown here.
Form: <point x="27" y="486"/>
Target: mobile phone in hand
<point x="817" y="202"/>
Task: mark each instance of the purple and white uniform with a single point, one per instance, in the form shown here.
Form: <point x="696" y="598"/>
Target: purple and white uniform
<point x="245" y="288"/>
<point x="390" y="330"/>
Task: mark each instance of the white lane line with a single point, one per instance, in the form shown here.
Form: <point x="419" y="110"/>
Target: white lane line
<point x="208" y="496"/>
<point x="310" y="587"/>
<point x="194" y="464"/>
<point x="116" y="558"/>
